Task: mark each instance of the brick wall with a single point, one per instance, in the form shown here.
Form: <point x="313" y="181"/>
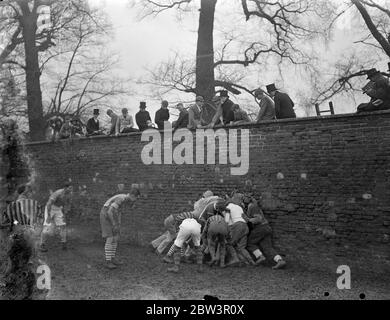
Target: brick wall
<point x="324" y="184"/>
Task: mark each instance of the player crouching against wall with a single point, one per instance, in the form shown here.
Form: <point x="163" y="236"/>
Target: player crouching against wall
<point x="110" y="221"/>
<point x="260" y="235"/>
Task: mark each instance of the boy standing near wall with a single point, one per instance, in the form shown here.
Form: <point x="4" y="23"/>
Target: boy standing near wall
<point x="110" y="221"/>
<point x="54" y="213"/>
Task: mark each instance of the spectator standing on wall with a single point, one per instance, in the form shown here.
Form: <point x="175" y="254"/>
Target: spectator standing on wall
<point x="162" y="115"/>
<point x="126" y="123"/>
<point x="182" y="121"/>
<point x="143" y="117"/>
<point x="267" y="106"/>
<point x="114" y="128"/>
<point x="284" y="106"/>
<point x="93" y="125"/>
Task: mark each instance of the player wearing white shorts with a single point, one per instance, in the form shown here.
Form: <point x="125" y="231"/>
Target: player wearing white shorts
<point x="189" y="228"/>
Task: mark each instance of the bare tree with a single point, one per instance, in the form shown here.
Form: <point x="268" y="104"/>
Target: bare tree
<point x="74" y="27"/>
<point x="283" y="26"/>
<point x="371" y="49"/>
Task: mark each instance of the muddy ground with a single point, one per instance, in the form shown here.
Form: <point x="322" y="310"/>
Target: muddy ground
<point x="79" y="273"/>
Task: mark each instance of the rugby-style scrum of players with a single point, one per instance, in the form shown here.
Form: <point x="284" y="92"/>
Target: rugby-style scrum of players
<point x="219" y="231"/>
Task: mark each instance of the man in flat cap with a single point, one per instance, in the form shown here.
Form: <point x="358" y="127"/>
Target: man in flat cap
<point x="267" y="106"/>
<point x="162" y="115"/>
<point x="284" y="106"/>
<point x="195" y="114"/>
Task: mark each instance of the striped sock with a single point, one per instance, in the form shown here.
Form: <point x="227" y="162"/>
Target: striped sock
<point x="114" y="247"/>
<point x="109" y="251"/>
<point x="182" y="252"/>
<point x="171" y="250"/>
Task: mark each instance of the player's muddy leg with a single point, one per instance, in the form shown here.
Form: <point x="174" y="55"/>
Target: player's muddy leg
<point x="176" y="261"/>
<point x="222" y="253"/>
<point x="234" y="261"/>
<point x="44" y="236"/>
<point x="199" y="258"/>
<point x="63" y="237"/>
<point x="116" y="260"/>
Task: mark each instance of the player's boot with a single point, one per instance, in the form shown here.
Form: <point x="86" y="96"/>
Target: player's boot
<point x="167" y="259"/>
<point x="174" y="269"/>
<point x="43" y="248"/>
<point x="110" y="265"/>
<point x="117" y="262"/>
<point x="234" y="261"/>
<point x="260" y="260"/>
<point x="176" y="260"/>
<point x="279" y="265"/>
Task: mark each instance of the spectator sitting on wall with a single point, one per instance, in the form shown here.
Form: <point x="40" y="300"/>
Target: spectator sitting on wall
<point x="182" y="121"/>
<point x="126" y="122"/>
<point x="224" y="114"/>
<point x="66" y="131"/>
<point x="284" y="106"/>
<point x="114" y="128"/>
<point x="55" y="125"/>
<point x="195" y="114"/>
<point x="93" y="125"/>
<point x="142" y="117"/>
<point x="77" y="127"/>
<point x="378" y="89"/>
<point x="267" y="106"/>
<point x="162" y="115"/>
<point x="240" y="116"/>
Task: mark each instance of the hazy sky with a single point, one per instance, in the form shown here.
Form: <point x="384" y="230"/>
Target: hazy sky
<point x="144" y="43"/>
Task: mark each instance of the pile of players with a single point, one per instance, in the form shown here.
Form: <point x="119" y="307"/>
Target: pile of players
<point x="230" y="231"/>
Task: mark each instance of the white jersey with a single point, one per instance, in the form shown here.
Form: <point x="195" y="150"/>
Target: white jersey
<point x="235" y="214"/>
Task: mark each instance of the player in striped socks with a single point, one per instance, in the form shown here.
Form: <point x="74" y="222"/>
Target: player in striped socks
<point x="190" y="228"/>
<point x="176" y="220"/>
<point x="215" y="207"/>
<point x="110" y="221"/>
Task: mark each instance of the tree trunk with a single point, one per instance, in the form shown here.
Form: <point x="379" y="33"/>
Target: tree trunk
<point x="205" y="51"/>
<point x="372" y="27"/>
<point x="33" y="74"/>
